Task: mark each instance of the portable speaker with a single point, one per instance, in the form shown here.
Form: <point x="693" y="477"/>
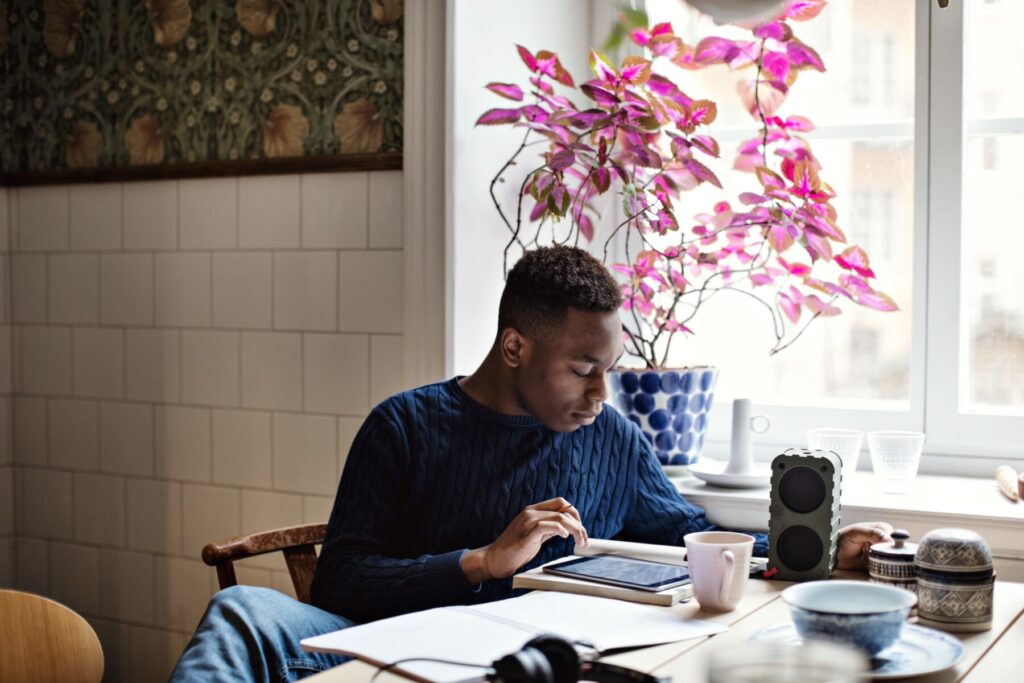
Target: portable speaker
<point x="803" y="525"/>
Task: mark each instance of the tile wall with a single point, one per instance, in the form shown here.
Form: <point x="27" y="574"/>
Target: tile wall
<point x="183" y="361"/>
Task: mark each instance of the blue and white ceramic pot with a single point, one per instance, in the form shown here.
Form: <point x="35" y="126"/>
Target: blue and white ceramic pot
<point x="670" y="407"/>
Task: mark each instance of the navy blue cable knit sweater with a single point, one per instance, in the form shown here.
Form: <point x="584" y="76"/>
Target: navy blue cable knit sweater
<point x="433" y="473"/>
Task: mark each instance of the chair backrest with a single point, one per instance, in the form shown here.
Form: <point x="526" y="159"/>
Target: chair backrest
<point x="42" y="640"/>
<point x="298" y="543"/>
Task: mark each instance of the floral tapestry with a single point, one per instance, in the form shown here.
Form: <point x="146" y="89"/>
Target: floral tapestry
<point x="94" y="84"/>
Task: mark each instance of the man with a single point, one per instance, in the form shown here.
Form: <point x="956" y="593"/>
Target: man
<point x="451" y="488"/>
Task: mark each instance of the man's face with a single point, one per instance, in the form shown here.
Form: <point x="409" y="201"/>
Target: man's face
<point x="561" y="377"/>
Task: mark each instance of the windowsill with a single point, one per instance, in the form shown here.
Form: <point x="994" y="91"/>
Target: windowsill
<point x="934" y="501"/>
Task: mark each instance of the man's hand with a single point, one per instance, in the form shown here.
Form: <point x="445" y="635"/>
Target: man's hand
<point x="521" y="541"/>
<point x="856" y="540"/>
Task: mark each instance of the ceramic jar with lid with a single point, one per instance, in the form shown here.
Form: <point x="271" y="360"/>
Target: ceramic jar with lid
<point x="892" y="562"/>
<point x="955" y="579"/>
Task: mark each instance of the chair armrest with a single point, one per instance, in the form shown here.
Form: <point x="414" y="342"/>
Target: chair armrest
<point x="248" y="545"/>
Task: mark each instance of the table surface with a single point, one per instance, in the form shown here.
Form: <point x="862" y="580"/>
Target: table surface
<point x="993" y="655"/>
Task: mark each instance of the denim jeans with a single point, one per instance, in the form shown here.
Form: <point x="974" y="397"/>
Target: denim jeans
<point x="253" y="634"/>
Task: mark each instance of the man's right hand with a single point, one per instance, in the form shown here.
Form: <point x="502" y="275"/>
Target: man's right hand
<point x="521" y="541"/>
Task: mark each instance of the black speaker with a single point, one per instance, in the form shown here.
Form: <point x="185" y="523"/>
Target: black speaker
<point x="803" y="525"/>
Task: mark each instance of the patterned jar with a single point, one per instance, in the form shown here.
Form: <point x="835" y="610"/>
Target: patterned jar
<point x="892" y="562"/>
<point x="955" y="581"/>
<point x="670" y="407"/>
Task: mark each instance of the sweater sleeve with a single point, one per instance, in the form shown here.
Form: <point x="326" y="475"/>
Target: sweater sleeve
<point x="660" y="514"/>
<point x="361" y="574"/>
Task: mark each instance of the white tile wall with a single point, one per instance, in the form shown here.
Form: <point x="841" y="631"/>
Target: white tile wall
<point x="272" y="370"/>
<point x="305" y="453"/>
<point x="126" y="289"/>
<point x="46" y="360"/>
<point x="210" y="368"/>
<point x="183" y="290"/>
<point x="99" y="509"/>
<point x="242" y="289"/>
<point x="336" y="373"/>
<point x="153" y="365"/>
<point x="74" y="436"/>
<point x="42" y="221"/>
<point x="189" y="360"/>
<point x="241" y="448"/>
<point x="30" y="436"/>
<point x="96" y="217"/>
<point x="98" y="362"/>
<point x="370" y="308"/>
<point x="126" y="438"/>
<point x="75" y="576"/>
<point x="305" y="290"/>
<point x="28" y="288"/>
<point x="151" y="216"/>
<point x="154" y="516"/>
<point x="183" y="440"/>
<point x="334" y="210"/>
<point x="208" y="213"/>
<point x="268" y="212"/>
<point x="74" y="288"/>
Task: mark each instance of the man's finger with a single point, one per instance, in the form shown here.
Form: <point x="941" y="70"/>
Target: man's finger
<point x="555" y="504"/>
<point x="584" y="538"/>
<point x="547" y="529"/>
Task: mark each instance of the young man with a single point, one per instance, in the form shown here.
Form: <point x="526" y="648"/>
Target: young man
<point x="451" y="488"/>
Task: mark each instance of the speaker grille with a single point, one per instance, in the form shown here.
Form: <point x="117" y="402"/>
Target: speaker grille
<point x="799" y="547"/>
<point x="802" y="489"/>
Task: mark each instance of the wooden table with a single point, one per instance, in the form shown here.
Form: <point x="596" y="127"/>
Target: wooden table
<point x="993" y="656"/>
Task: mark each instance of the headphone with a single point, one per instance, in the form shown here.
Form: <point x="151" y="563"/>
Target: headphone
<point x="550" y="659"/>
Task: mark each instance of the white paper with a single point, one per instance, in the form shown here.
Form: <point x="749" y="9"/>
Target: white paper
<point x="480" y="634"/>
<point x="667" y="554"/>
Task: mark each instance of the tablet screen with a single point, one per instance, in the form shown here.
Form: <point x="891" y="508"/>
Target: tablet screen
<point x="622" y="571"/>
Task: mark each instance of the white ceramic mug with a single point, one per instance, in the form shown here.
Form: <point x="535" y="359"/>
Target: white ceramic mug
<point x="719" y="563"/>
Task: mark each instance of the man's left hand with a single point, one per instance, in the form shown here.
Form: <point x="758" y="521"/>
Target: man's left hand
<point x="855" y="541"/>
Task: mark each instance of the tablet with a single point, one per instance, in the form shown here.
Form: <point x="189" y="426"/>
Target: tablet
<point x="622" y="571"/>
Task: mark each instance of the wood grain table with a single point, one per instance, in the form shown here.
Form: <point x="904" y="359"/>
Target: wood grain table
<point x="993" y="656"/>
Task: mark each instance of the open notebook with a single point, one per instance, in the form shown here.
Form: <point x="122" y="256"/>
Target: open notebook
<point x="480" y="634"/>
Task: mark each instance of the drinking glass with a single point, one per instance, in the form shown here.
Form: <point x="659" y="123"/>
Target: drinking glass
<point x="894" y="458"/>
<point x="809" y="662"/>
<point x="843" y="442"/>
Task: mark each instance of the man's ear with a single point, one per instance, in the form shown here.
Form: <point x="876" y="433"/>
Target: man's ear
<point x="514" y="347"/>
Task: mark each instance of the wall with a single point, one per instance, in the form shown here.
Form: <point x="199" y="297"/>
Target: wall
<point x="6" y="456"/>
<point x="191" y="360"/>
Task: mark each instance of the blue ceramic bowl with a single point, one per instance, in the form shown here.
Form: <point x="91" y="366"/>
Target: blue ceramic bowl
<point x="869" y="616"/>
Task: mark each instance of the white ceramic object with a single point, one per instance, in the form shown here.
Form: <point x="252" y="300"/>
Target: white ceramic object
<point x="719" y="563"/>
<point x="919" y="650"/>
<point x="714" y="472"/>
<point x="741" y="451"/>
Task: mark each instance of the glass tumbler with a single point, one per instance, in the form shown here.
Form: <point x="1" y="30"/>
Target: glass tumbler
<point x="843" y="442"/>
<point x="894" y="458"/>
<point x="810" y="662"/>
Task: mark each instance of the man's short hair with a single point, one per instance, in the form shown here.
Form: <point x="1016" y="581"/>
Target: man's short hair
<point x="546" y="282"/>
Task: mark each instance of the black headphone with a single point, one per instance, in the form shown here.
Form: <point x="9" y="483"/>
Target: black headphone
<point x="550" y="659"/>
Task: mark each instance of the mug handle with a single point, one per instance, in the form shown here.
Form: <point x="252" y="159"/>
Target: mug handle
<point x="759" y="424"/>
<point x="730" y="562"/>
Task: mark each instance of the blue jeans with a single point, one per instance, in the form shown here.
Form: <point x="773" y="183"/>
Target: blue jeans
<point x="253" y="634"/>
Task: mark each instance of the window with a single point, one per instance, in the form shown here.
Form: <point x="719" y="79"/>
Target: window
<point x="925" y="148"/>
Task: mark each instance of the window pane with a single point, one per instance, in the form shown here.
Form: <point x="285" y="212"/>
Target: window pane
<point x="991" y="274"/>
<point x="863" y="108"/>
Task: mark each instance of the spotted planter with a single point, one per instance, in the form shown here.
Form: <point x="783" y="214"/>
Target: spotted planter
<point x="670" y="407"/>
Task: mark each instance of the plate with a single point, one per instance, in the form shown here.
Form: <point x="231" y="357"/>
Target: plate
<point x="713" y="472"/>
<point x="919" y="650"/>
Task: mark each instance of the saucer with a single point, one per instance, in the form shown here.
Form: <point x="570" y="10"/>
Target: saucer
<point x="919" y="650"/>
<point x="713" y="472"/>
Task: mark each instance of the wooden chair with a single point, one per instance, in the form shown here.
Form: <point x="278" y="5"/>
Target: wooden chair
<point x="298" y="543"/>
<point x="42" y="640"/>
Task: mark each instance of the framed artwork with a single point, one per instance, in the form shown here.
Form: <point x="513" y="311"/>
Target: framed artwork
<point x="96" y="90"/>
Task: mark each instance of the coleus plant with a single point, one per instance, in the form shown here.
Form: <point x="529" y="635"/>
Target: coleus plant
<point x="640" y="136"/>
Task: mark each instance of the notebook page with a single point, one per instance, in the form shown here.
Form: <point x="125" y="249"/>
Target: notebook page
<point x="604" y="623"/>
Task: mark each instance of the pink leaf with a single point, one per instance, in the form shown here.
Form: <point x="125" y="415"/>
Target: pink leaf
<point x="777" y="30"/>
<point x="856" y="259"/>
<point x="761" y="279"/>
<point x="586" y="227"/>
<point x="601" y="96"/>
<point x="702" y="172"/>
<point x="776" y="64"/>
<point x="527" y="58"/>
<point x="715" y="50"/>
<point x="798" y="123"/>
<point x="752" y="198"/>
<point x="803" y="10"/>
<point x="803" y="55"/>
<point x="602" y="68"/>
<point x="779" y="238"/>
<point x="876" y="300"/>
<point x="508" y="90"/>
<point x="495" y="117"/>
<point x="706" y="144"/>
<point x="789" y="307"/>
